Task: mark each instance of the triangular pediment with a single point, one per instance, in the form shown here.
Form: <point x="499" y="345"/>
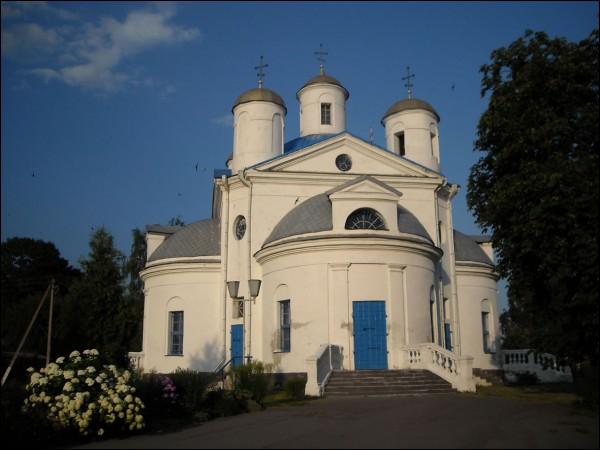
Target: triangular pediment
<point x="366" y="159"/>
<point x="365" y="184"/>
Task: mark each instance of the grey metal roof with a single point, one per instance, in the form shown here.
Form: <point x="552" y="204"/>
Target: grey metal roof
<point x="408" y="223"/>
<point x="202" y="238"/>
<point x="259" y="95"/>
<point x="162" y="229"/>
<point x="314" y="215"/>
<point x="409" y="103"/>
<point x="322" y="78"/>
<point x="310" y="216"/>
<point x="466" y="249"/>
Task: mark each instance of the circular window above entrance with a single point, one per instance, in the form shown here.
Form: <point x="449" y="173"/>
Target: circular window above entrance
<point x="239" y="227"/>
<point x="343" y="162"/>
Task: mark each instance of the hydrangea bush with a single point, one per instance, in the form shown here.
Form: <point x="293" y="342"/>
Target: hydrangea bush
<point x="81" y="394"/>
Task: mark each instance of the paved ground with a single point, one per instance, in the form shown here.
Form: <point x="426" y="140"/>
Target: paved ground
<point x="442" y="421"/>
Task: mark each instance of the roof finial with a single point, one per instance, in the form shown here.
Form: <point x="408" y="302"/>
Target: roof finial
<point x="320" y="57"/>
<point x="408" y="83"/>
<point x="260" y="73"/>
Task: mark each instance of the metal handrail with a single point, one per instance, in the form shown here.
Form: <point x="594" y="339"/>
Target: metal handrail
<point x="220" y="370"/>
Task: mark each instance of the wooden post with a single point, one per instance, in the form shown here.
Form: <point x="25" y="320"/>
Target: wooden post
<point x="49" y="340"/>
<point x="16" y="355"/>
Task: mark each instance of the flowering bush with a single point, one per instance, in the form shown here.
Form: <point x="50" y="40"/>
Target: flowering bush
<point x="168" y="389"/>
<point x="79" y="393"/>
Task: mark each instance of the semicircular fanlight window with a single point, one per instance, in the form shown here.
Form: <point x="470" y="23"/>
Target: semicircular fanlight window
<point x="365" y="219"/>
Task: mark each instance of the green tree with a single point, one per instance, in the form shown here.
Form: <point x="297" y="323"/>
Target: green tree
<point x="97" y="301"/>
<point x="536" y="189"/>
<point x="135" y="288"/>
<point x="176" y="221"/>
<point x="28" y="266"/>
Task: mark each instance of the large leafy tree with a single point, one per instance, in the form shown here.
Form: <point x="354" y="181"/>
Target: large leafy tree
<point x="28" y="266"/>
<point x="536" y="189"/>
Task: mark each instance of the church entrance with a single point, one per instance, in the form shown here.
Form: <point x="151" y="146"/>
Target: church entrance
<point x="370" y="335"/>
<point x="237" y="345"/>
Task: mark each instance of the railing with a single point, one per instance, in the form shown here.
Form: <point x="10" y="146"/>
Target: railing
<point x="220" y="370"/>
<point x="320" y="366"/>
<point x="544" y="365"/>
<point x="457" y="370"/>
<point x="136" y="359"/>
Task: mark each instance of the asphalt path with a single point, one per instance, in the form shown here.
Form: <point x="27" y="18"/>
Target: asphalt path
<point x="433" y="421"/>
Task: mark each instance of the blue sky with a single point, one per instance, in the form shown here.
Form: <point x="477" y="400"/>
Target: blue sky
<point x="108" y="107"/>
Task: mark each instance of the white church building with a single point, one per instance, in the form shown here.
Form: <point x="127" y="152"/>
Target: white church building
<point x="324" y="252"/>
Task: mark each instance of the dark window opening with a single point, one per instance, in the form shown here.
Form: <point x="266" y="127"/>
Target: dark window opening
<point x="400" y="141"/>
<point x="325" y="113"/>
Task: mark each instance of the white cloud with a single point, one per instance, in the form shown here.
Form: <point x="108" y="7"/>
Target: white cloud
<point x="12" y="10"/>
<point x="29" y="42"/>
<point x="226" y="120"/>
<point x="91" y="55"/>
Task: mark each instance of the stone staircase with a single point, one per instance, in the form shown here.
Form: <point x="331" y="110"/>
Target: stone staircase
<point x="375" y="383"/>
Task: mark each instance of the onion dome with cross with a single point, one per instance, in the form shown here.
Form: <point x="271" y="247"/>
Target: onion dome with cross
<point x="411" y="128"/>
<point x="258" y="123"/>
<point x="322" y="103"/>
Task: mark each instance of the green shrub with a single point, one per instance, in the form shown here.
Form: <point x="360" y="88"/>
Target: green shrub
<point x="294" y="387"/>
<point x="222" y="403"/>
<point x="525" y="379"/>
<point x="191" y="388"/>
<point x="251" y="377"/>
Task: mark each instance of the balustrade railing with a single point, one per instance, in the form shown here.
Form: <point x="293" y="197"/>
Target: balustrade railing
<point x="457" y="370"/>
<point x="320" y="366"/>
<point x="544" y="365"/>
<point x="136" y="359"/>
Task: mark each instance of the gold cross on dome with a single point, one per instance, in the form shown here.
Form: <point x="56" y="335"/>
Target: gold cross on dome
<point x="320" y="57"/>
<point x="260" y="73"/>
<point x="408" y="83"/>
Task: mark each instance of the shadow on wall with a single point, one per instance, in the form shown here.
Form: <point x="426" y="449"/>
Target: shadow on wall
<point x="207" y="359"/>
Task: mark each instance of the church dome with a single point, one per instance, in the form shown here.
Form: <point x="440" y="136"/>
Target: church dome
<point x="201" y="238"/>
<point x="322" y="78"/>
<point x="260" y="95"/>
<point x="315" y="215"/>
<point x="466" y="249"/>
<point x="408" y="104"/>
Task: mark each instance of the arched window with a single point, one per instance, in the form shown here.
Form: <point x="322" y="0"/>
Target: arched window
<point x="365" y="219"/>
<point x="485" y="326"/>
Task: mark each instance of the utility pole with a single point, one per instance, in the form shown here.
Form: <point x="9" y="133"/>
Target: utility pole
<point x="16" y="355"/>
<point x="49" y="340"/>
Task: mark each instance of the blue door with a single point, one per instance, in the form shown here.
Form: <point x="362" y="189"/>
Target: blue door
<point x="237" y="345"/>
<point x="370" y="335"/>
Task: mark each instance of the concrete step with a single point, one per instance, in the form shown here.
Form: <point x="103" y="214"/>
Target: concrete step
<point x="385" y="383"/>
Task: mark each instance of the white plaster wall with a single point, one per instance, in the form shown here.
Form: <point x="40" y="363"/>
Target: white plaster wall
<point x="323" y="283"/>
<point x="310" y="99"/>
<point x="473" y="288"/>
<point x="196" y="291"/>
<point x="258" y="133"/>
<point x="419" y="126"/>
<point x="153" y="241"/>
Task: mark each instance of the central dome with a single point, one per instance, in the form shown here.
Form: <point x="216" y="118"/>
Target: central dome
<point x="322" y="78"/>
<point x="407" y="104"/>
<point x="260" y="95"/>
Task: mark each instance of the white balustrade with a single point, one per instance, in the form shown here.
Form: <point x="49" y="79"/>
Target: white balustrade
<point x="544" y="365"/>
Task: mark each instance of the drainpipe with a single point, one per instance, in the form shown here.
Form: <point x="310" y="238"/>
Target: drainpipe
<point x="452" y="191"/>
<point x="224" y="257"/>
<point x="439" y="281"/>
<point x="246" y="182"/>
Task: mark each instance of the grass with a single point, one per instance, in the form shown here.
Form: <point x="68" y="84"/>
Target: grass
<point x="282" y="398"/>
<point x="555" y="393"/>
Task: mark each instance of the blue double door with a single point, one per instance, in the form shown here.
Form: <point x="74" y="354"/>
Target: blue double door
<point x="237" y="345"/>
<point x="370" y="335"/>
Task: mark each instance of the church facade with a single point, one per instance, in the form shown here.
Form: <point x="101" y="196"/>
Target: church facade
<point x="324" y="241"/>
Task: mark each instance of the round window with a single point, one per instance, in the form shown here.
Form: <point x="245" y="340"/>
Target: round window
<point x="240" y="227"/>
<point x="343" y="162"/>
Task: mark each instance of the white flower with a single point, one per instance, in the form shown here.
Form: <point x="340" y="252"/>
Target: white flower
<point x="68" y="387"/>
<point x="91" y="369"/>
<point x="74" y="353"/>
<point x="60" y="360"/>
<point x="129" y="398"/>
<point x="100" y="432"/>
<point x="30" y="370"/>
<point x="139" y="418"/>
<point x="89" y="381"/>
<point x="68" y="374"/>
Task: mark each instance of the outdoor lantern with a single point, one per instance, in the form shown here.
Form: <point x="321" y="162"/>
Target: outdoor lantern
<point x="232" y="287"/>
<point x="254" y="286"/>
